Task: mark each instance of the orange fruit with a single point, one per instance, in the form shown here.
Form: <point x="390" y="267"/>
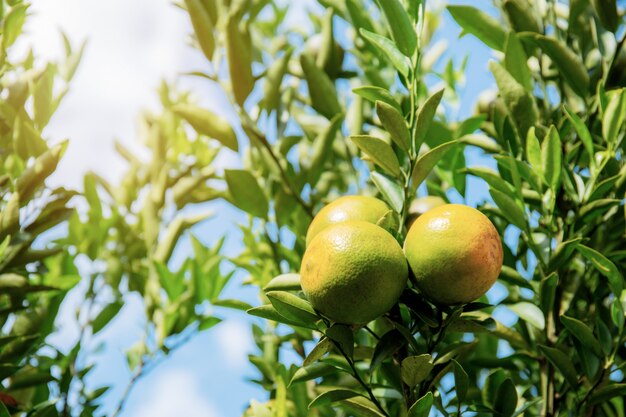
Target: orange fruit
<point x="455" y="253"/>
<point x="421" y="205"/>
<point x="353" y="272"/>
<point x="352" y="207"/>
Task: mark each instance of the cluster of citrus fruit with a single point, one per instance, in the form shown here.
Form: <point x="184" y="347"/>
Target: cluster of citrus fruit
<point x="354" y="270"/>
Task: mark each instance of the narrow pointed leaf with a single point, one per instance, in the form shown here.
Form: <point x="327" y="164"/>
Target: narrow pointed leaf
<point x="387" y="47"/>
<point x="529" y="313"/>
<point x="292" y="306"/>
<point x="321" y="88"/>
<point x="284" y="282"/>
<point x="425" y="115"/>
<point x="605" y="267"/>
<point x="246" y="192"/>
<point x="583" y="333"/>
<point x="515" y="61"/>
<point x="400" y="26"/>
<point x="209" y="124"/>
<point x="379" y="151"/>
<point x="425" y="163"/>
<point x="567" y="62"/>
<point x="562" y="363"/>
<point x="332" y="396"/>
<point x="373" y="94"/>
<point x="202" y="26"/>
<point x="393" y="193"/>
<point x="509" y="208"/>
<point x="552" y="157"/>
<point x="394" y="123"/>
<point x="480" y="24"/>
<point x="582" y="131"/>
<point x="421" y="407"/>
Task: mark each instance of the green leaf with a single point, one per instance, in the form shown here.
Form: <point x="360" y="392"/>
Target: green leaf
<point x="607" y="12"/>
<point x="321" y="348"/>
<point x="13" y="22"/>
<point x="322" y="148"/>
<point x="239" y="54"/>
<point x="613" y="117"/>
<point x="605" y="267"/>
<point x="316" y="370"/>
<point x="520" y="104"/>
<point x="207" y="123"/>
<point x="509" y="209"/>
<point x="387" y="47"/>
<point x="284" y="282"/>
<point x="34" y="176"/>
<point x="394" y="123"/>
<point x="516" y="61"/>
<point x="421" y="407"/>
<point x="505" y="401"/>
<point x="494" y="180"/>
<point x="461" y="381"/>
<point x="379" y="151"/>
<point x="597" y="208"/>
<point x="481" y="25"/>
<point x="231" y="303"/>
<point x="321" y="88"/>
<point x="551" y="157"/>
<point x="493" y="382"/>
<point x="342" y="336"/>
<point x="605" y="393"/>
<point x="425" y="115"/>
<point x="374" y="94"/>
<point x="415" y="369"/>
<point x="10" y="216"/>
<point x="529" y="313"/>
<point x="208" y="322"/>
<point x="388" y="344"/>
<point x="583" y="333"/>
<point x="390" y="189"/>
<point x="273" y="80"/>
<point x="562" y="363"/>
<point x="427" y="161"/>
<point x="168" y="242"/>
<point x="246" y="192"/>
<point x="582" y="131"/>
<point x="268" y="312"/>
<point x="292" y="306"/>
<point x="400" y="26"/>
<point x="202" y="26"/>
<point x="566" y="61"/>
<point x="332" y="396"/>
<point x="105" y="316"/>
<point x="533" y="151"/>
<point x="3" y="410"/>
<point x="548" y="292"/>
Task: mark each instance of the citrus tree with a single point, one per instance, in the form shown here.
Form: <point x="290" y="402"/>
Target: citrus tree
<point x="348" y="107"/>
<point x="351" y="98"/>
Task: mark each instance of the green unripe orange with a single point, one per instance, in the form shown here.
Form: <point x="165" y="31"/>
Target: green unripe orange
<point x="421" y="205"/>
<point x="353" y="272"/>
<point x="352" y="207"/>
<point x="455" y="253"/>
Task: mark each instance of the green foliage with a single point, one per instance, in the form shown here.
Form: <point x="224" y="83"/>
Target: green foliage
<point x="555" y="135"/>
<point x="349" y="114"/>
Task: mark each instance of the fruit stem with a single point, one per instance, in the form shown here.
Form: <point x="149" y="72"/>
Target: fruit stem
<point x="357" y="376"/>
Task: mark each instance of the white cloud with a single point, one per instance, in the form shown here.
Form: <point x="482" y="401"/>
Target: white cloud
<point x="234" y="341"/>
<point x="131" y="46"/>
<point x="175" y="393"/>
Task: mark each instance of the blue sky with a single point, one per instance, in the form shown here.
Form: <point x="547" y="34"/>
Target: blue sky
<point x="132" y="45"/>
